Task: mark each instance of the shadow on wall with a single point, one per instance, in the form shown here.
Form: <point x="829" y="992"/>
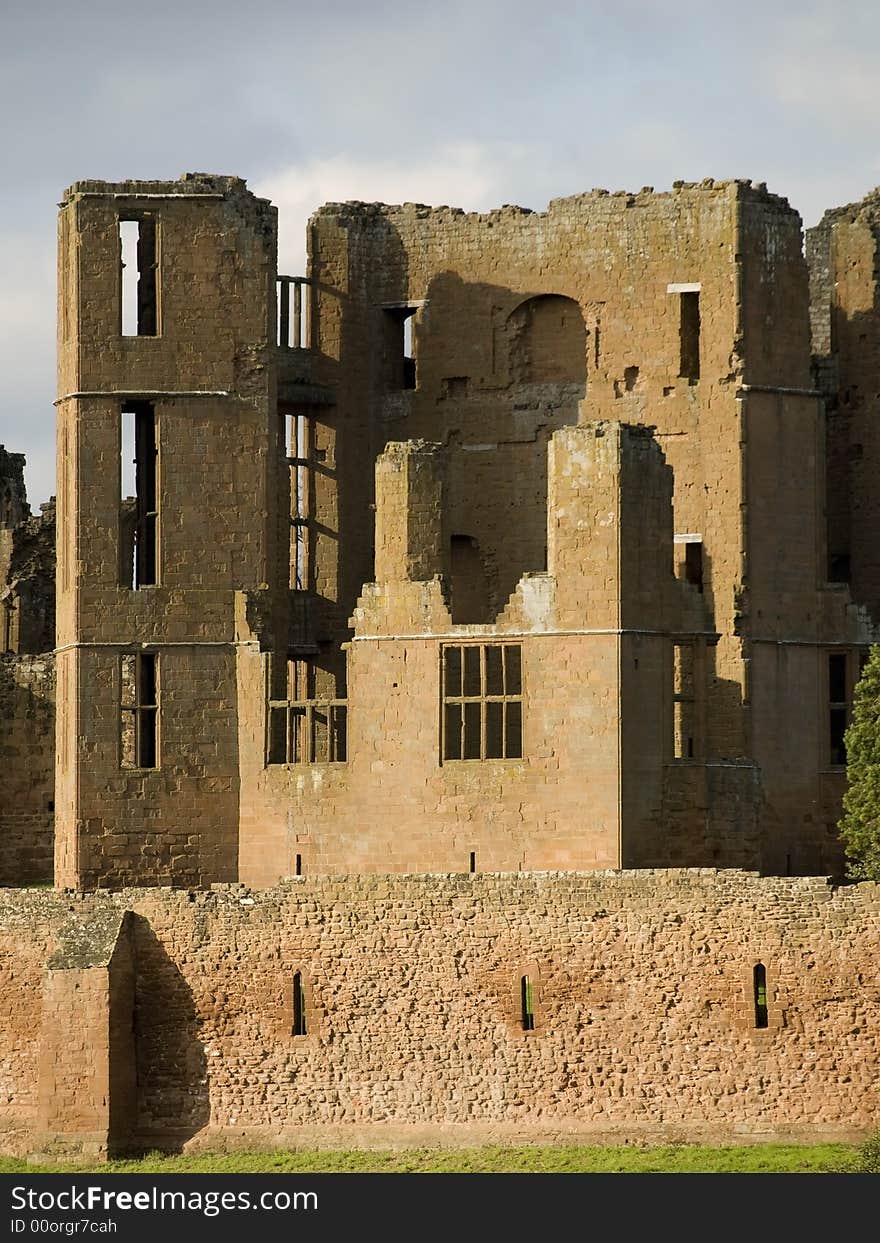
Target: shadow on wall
<point x="848" y="376"/>
<point x="172" y="1073"/>
<point x="496" y="372"/>
<point x="27" y="745"/>
<point x="487" y="370"/>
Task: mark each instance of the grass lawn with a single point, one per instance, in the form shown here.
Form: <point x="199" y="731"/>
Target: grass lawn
<point x="677" y="1159"/>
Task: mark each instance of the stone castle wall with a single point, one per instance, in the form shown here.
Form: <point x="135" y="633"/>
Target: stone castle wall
<point x="27" y="756"/>
<point x="642" y="984"/>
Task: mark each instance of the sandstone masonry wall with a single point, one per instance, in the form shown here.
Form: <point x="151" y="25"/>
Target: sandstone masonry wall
<point x="644" y="1009"/>
<point x="27" y="761"/>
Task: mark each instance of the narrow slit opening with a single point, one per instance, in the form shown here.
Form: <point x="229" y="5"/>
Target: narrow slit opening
<point x="299" y="1005"/>
<point x="528" y="1004"/>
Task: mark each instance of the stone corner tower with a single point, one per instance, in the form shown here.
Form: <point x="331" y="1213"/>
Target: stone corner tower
<point x="166" y="469"/>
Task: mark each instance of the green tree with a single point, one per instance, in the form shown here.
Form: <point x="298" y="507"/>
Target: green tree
<point x="860" y="824"/>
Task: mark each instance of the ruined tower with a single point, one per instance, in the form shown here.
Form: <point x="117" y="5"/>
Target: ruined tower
<point x="166" y="479"/>
<point x="494" y="542"/>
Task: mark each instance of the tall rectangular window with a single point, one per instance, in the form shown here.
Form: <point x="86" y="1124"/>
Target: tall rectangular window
<point x="300" y="459"/>
<point x="693" y="563"/>
<point x="527" y="1004"/>
<point x="400" y="346"/>
<point x="689" y="336"/>
<point x="838" y="706"/>
<point x="299" y="1005"/>
<point x="759" y="989"/>
<point x="684" y="701"/>
<point x="688" y="330"/>
<point x="292" y="308"/>
<point x="138" y="276"/>
<point x="139" y="710"/>
<point x="308" y="714"/>
<point x="139" y="496"/>
<point x="482" y="702"/>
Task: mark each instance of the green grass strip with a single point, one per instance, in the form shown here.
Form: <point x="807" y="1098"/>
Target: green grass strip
<point x="675" y="1159"/>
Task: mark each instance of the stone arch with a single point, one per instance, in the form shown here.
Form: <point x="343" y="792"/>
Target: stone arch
<point x="547" y="341"/>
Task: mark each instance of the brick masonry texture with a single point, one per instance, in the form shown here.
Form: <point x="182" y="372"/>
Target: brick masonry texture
<point x="27" y="754"/>
<point x="644" y="1010"/>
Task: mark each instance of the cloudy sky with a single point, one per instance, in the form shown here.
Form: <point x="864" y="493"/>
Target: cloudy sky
<point x="472" y="103"/>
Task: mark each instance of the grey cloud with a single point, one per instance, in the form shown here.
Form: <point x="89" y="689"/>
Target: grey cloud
<point x="589" y="93"/>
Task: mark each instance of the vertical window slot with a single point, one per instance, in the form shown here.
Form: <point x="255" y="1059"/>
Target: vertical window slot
<point x="299" y="457"/>
<point x="409" y="358"/>
<point x="759" y="987"/>
<point x="684" y="702"/>
<point x="838" y="707"/>
<point x="139" y="496"/>
<point x="689" y="336"/>
<point x="139" y="711"/>
<point x="299" y="1005"/>
<point x="527" y="1003"/>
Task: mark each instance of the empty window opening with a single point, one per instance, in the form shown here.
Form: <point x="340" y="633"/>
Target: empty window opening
<point x="139" y="709"/>
<point x="299" y="865"/>
<point x="400" y="346"/>
<point x="301" y="459"/>
<point x="409" y="358"/>
<point x="839" y="567"/>
<point x="547" y="341"/>
<point x="630" y="378"/>
<point x="693" y="564"/>
<point x="470" y="596"/>
<point x="473" y="861"/>
<point x="684" y="701"/>
<point x="838" y="706"/>
<point x="299" y="1005"/>
<point x="759" y="988"/>
<point x="138" y="265"/>
<point x="9" y="628"/>
<point x="293" y="312"/>
<point x="527" y="1003"/>
<point x="308" y="712"/>
<point x="481" y="715"/>
<point x="139" y="496"/>
<point x="689" y="336"/>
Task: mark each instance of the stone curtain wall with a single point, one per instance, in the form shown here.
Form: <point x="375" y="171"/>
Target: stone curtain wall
<point x="27" y="763"/>
<point x="643" y="1003"/>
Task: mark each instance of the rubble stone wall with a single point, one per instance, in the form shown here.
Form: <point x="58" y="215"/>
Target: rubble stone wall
<point x="644" y="1011"/>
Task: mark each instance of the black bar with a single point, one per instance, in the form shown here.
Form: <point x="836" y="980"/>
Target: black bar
<point x="466" y="1206"/>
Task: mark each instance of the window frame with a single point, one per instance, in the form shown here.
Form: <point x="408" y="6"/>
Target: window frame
<point x="303" y="709"/>
<point x="483" y="700"/>
<point x="139" y="710"/>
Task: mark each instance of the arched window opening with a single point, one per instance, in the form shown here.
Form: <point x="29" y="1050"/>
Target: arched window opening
<point x="760" y="993"/>
<point x="548" y="341"/>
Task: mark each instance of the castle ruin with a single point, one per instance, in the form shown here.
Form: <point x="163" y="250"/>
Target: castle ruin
<point x="454" y="647"/>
